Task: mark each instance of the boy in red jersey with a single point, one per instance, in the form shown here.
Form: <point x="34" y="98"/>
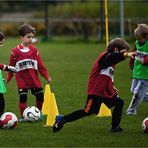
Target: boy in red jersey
<point x="101" y="88"/>
<point x="26" y="58"/>
<point x="2" y="85"/>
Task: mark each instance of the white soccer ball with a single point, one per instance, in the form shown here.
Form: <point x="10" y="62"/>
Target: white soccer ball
<point x="8" y="120"/>
<point x="32" y="114"/>
<point x="145" y="125"/>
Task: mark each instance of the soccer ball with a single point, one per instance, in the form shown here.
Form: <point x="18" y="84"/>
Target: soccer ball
<point x="145" y="125"/>
<point x="8" y="120"/>
<point x="32" y="114"/>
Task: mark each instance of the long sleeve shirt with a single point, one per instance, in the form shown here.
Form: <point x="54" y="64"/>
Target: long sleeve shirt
<point x="28" y="63"/>
<point x="101" y="77"/>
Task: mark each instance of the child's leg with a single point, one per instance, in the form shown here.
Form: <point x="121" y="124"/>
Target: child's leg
<point x="135" y="87"/>
<point x="23" y="100"/>
<point x="39" y="100"/>
<point x="136" y="100"/>
<point x="92" y="106"/>
<point x="38" y="92"/>
<point x="146" y="97"/>
<point x="118" y="104"/>
<point x="2" y="104"/>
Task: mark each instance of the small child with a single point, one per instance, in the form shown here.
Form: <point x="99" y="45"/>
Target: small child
<point x="101" y="87"/>
<point x="26" y="58"/>
<point x="2" y="85"/>
<point x="139" y="65"/>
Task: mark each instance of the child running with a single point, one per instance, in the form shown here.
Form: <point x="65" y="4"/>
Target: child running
<point x="101" y="87"/>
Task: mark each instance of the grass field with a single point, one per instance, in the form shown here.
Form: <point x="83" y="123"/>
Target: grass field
<point x="69" y="65"/>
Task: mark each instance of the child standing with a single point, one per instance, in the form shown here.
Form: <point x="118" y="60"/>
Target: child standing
<point x="2" y="85"/>
<point x="139" y="65"/>
<point x="26" y="58"/>
<point x="101" y="88"/>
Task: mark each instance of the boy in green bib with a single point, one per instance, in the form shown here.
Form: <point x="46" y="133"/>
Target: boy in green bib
<point x="2" y="85"/>
<point x="139" y="86"/>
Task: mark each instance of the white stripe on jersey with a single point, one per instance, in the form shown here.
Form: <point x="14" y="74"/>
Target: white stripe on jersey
<point x="108" y="72"/>
<point x="26" y="64"/>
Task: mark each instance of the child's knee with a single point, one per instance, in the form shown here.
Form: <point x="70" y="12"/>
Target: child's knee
<point x="120" y="103"/>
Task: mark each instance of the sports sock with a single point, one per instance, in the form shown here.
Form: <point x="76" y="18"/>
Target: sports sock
<point x="39" y="104"/>
<point x="22" y="107"/>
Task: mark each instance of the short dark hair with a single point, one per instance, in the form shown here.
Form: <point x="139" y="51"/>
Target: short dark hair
<point x="2" y="36"/>
<point x="25" y="28"/>
<point x="119" y="43"/>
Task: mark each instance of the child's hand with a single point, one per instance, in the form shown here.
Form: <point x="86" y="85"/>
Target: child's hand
<point x="10" y="68"/>
<point x="131" y="54"/>
<point x="117" y="90"/>
<point x="141" y="60"/>
<point x="49" y="79"/>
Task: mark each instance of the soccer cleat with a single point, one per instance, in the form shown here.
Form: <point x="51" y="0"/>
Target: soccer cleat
<point x="131" y="112"/>
<point x="116" y="129"/>
<point x="22" y="120"/>
<point x="58" y="123"/>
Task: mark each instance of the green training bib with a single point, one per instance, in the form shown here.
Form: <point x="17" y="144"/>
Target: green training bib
<point x="2" y="84"/>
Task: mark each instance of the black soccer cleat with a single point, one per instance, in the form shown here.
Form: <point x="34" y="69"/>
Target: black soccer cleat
<point x="116" y="129"/>
<point x="58" y="123"/>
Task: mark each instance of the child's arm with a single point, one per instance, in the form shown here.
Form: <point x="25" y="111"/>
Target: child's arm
<point x="12" y="63"/>
<point x="131" y="61"/>
<point x="1" y="66"/>
<point x="42" y="69"/>
<point x="145" y="60"/>
<point x="113" y="58"/>
<point x="7" y="68"/>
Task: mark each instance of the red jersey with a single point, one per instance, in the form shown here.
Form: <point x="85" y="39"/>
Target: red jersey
<point x="1" y="66"/>
<point x="101" y="77"/>
<point x="28" y="64"/>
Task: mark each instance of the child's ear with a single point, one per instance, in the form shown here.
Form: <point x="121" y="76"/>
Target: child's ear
<point x="21" y="37"/>
<point x="116" y="49"/>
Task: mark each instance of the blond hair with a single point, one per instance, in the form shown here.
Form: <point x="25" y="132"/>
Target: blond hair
<point x="141" y="31"/>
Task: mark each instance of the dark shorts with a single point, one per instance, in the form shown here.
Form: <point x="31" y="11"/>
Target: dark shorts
<point x="34" y="90"/>
<point x="94" y="102"/>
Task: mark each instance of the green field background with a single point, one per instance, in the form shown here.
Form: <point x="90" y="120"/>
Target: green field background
<point x="69" y="65"/>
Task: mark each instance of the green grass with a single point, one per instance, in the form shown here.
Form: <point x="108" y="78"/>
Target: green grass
<point x="69" y="66"/>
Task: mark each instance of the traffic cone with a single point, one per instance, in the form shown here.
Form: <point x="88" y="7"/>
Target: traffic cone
<point x="104" y="111"/>
<point x="46" y="99"/>
<point x="49" y="106"/>
<point x="52" y="110"/>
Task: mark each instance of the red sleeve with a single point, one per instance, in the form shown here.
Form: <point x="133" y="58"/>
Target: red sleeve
<point x="146" y="59"/>
<point x="11" y="63"/>
<point x="131" y="62"/>
<point x="1" y="66"/>
<point x="41" y="67"/>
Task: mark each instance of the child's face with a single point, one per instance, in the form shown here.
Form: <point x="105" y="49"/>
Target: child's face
<point x="27" y="39"/>
<point x="141" y="41"/>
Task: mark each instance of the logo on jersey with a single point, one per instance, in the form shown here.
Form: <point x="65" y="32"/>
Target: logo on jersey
<point x="26" y="64"/>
